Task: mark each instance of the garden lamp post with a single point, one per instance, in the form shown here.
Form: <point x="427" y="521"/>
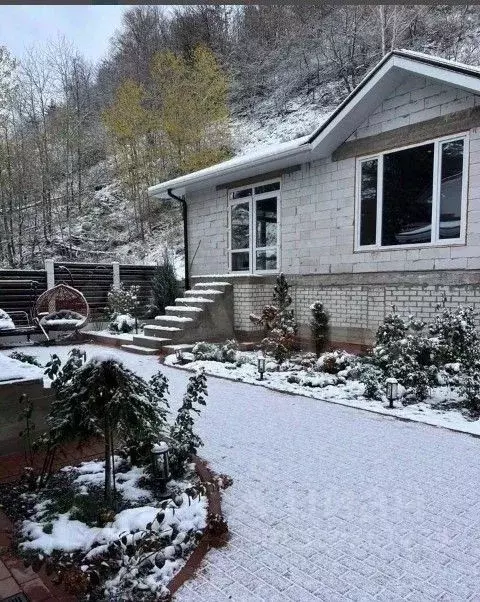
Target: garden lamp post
<point x="160" y="463"/>
<point x="261" y="365"/>
<point x="392" y="390"/>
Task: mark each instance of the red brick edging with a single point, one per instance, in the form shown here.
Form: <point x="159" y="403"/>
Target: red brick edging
<point x="216" y="532"/>
<point x="16" y="578"/>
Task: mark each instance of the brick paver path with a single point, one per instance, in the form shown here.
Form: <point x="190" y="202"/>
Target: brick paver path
<point x="332" y="503"/>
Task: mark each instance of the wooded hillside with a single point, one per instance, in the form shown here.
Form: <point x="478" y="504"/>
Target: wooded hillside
<point x="179" y="90"/>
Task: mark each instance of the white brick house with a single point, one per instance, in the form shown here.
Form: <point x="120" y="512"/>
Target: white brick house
<point x="379" y="206"/>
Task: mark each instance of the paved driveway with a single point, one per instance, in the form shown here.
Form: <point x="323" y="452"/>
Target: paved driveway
<point x="332" y="503"/>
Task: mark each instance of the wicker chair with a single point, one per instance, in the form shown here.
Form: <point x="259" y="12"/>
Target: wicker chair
<point x="62" y="308"/>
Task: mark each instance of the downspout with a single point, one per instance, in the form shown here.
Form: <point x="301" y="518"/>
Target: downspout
<point x="185" y="233"/>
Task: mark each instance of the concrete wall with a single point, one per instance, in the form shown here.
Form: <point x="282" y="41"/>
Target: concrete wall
<point x="357" y="303"/>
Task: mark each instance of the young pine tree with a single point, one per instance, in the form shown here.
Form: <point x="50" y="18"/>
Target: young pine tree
<point x="319" y="326"/>
<point x="102" y="398"/>
<point x="186" y="442"/>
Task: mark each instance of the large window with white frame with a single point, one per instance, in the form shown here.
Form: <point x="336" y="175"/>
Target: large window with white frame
<point x="254" y="227"/>
<point x="413" y="196"/>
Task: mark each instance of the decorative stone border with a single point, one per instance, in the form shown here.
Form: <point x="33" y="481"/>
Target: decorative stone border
<point x="216" y="532"/>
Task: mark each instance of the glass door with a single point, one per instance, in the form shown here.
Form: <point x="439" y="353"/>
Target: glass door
<point x="253" y="228"/>
<point x="240" y="236"/>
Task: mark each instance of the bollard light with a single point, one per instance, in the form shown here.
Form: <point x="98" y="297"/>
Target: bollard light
<point x="160" y="463"/>
<point x="391" y="387"/>
<point x="261" y="365"/>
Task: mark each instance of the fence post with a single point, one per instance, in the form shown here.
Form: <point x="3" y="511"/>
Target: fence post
<point x="116" y="274"/>
<point x="50" y="269"/>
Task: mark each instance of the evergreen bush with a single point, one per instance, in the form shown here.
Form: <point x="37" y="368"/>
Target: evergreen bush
<point x="186" y="441"/>
<point x="319" y="326"/>
<point x="165" y="286"/>
<point x="278" y="321"/>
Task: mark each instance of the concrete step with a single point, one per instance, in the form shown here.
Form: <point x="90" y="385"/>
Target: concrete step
<point x="221" y="286"/>
<point x="178" y="321"/>
<point x="180" y="347"/>
<point x="149" y="341"/>
<point x="162" y="331"/>
<point x="183" y="311"/>
<point x="139" y="349"/>
<point x="200" y="302"/>
<point x="204" y="292"/>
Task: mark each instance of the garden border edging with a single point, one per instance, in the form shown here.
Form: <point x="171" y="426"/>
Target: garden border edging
<point x="216" y="532"/>
<point x="386" y="413"/>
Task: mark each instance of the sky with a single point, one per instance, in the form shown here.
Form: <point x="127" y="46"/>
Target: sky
<point x="87" y="27"/>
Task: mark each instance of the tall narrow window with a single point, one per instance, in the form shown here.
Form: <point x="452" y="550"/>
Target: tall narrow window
<point x="451" y="189"/>
<point x="368" y="202"/>
<point x="240" y="237"/>
<point x="266" y="234"/>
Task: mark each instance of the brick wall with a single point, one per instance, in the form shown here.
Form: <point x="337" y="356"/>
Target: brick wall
<point x="357" y="304"/>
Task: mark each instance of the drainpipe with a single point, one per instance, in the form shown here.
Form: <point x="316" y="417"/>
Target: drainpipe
<point x="185" y="233"/>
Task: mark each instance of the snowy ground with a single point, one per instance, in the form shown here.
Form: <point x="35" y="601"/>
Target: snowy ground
<point x="349" y="394"/>
<point x="329" y="503"/>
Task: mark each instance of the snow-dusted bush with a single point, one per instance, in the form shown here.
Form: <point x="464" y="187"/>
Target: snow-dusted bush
<point x="334" y="362"/>
<point x="186" y="441"/>
<point x="319" y="326"/>
<point x="278" y="321"/>
<point x="123" y="300"/>
<point x="216" y="352"/>
<point x="404" y="351"/>
<point x="315" y="380"/>
<point x="122" y="323"/>
<point x="165" y="286"/>
<point x="456" y="333"/>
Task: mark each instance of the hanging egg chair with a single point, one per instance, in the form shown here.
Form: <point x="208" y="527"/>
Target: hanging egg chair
<point x="62" y="308"/>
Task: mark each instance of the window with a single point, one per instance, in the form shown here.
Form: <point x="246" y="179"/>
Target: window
<point x="254" y="228"/>
<point x="412" y="196"/>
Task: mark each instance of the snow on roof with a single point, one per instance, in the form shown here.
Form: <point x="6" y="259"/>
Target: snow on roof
<point x="261" y="155"/>
<point x="277" y="156"/>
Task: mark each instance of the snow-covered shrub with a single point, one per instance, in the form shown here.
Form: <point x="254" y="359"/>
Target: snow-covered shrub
<point x="122" y="323"/>
<point x="216" y="352"/>
<point x="469" y="388"/>
<point x="315" y="380"/>
<point x="123" y="300"/>
<point x="186" y="441"/>
<point x="6" y="322"/>
<point x="405" y="351"/>
<point x="334" y="362"/>
<point x="374" y="380"/>
<point x="319" y="326"/>
<point x="278" y="321"/>
<point x="103" y="398"/>
<point x="457" y="334"/>
<point x="25" y="358"/>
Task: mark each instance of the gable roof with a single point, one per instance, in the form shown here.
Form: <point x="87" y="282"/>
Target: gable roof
<point x="377" y="85"/>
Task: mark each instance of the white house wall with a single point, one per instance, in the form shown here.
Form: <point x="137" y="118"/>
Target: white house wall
<point x="317" y="234"/>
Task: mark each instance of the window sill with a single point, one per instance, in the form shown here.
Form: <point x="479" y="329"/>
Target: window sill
<point x="428" y="245"/>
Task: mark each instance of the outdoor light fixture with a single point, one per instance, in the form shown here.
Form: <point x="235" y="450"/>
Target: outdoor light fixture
<point x="392" y="390"/>
<point x="179" y="355"/>
<point x="261" y="365"/>
<point x="160" y="463"/>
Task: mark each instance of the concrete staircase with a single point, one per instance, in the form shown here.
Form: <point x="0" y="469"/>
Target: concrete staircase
<point x="203" y="313"/>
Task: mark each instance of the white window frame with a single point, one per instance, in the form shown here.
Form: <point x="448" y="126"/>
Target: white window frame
<point x="252" y="200"/>
<point x="435" y="240"/>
